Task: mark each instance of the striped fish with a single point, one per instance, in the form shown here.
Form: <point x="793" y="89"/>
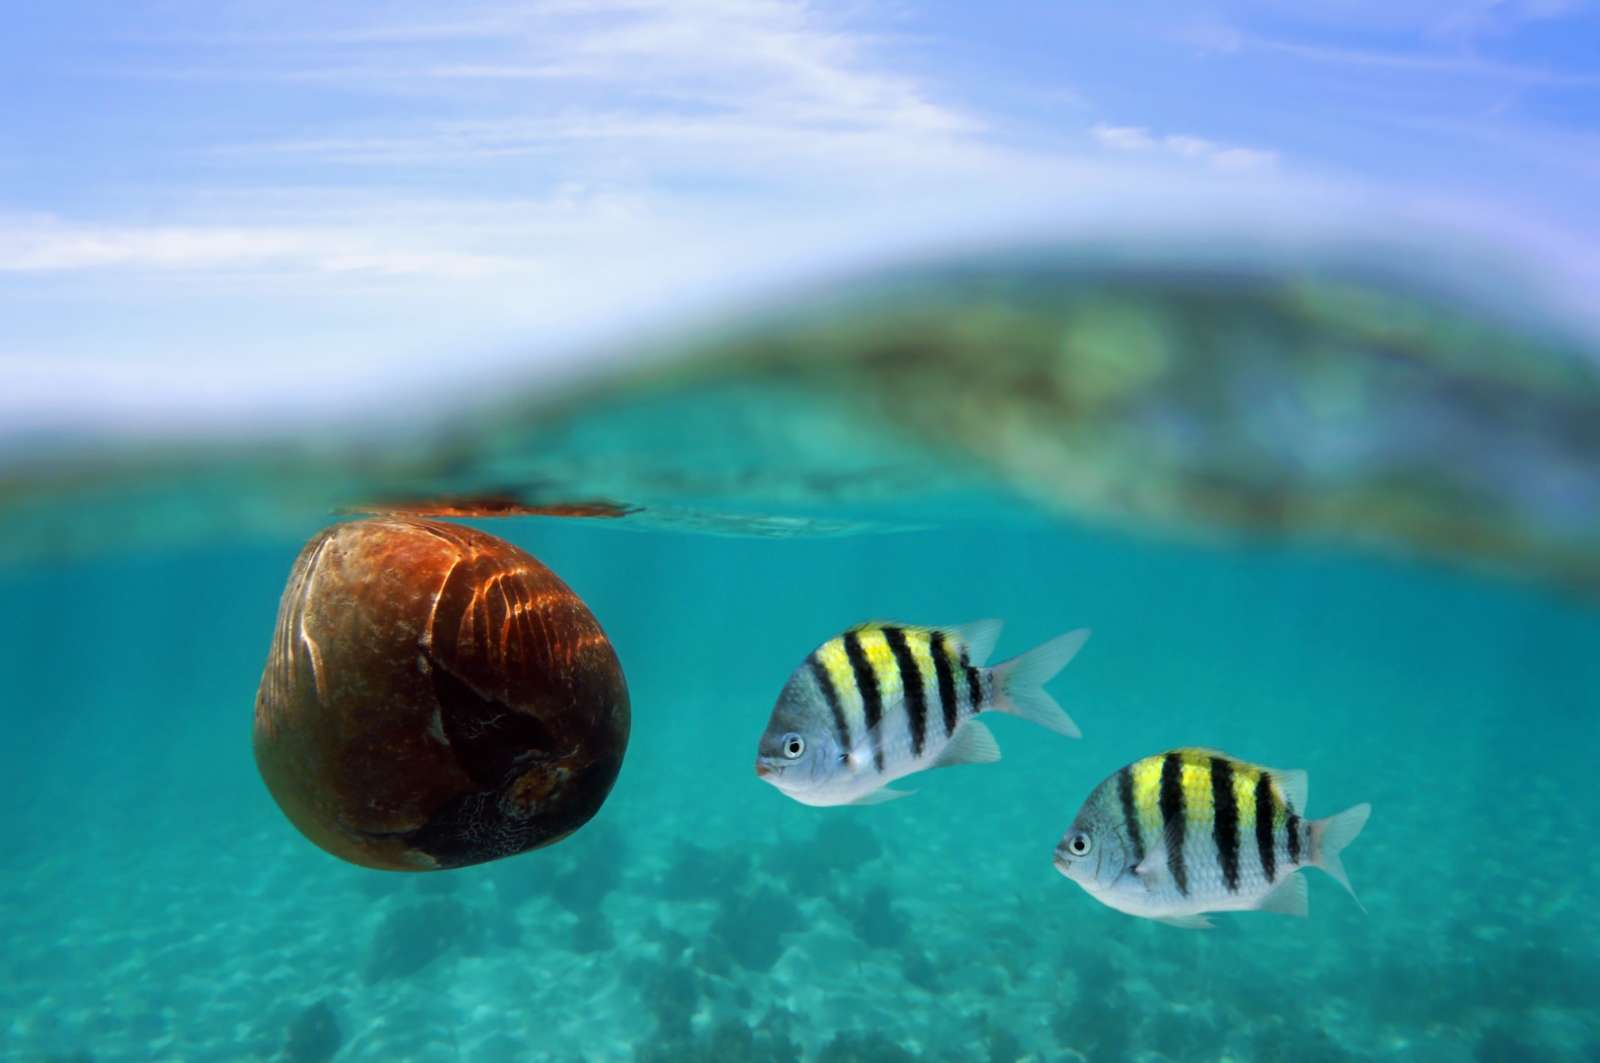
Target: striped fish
<point x="1174" y="836"/>
<point x="884" y="700"/>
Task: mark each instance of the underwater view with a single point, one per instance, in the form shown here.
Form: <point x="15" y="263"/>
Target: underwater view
<point x="1388" y="585"/>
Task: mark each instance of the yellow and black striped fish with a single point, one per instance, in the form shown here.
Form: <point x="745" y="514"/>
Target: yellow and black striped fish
<point x="884" y="700"/>
<point x="1177" y="835"/>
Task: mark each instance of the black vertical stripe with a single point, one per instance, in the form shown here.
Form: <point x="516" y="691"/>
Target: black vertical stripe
<point x="947" y="682"/>
<point x="1172" y="818"/>
<point x="911" y="684"/>
<point x="1130" y="815"/>
<point x="1225" y="821"/>
<point x="974" y="684"/>
<point x="1264" y="812"/>
<point x="871" y="696"/>
<point x="841" y="726"/>
<point x="1293" y="825"/>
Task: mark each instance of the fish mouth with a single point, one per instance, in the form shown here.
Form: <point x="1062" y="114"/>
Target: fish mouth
<point x="767" y="771"/>
<point x="1062" y="864"/>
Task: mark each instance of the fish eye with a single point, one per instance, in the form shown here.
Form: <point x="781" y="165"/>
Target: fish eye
<point x="793" y="746"/>
<point x="1079" y="845"/>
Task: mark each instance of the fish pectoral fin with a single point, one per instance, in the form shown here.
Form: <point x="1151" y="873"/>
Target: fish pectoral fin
<point x="973" y="743"/>
<point x="1155" y="858"/>
<point x="1188" y="922"/>
<point x="1152" y="865"/>
<point x="878" y="797"/>
<point x="1288" y="897"/>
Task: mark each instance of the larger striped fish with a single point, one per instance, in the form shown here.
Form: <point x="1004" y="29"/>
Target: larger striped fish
<point x="1174" y="836"/>
<point x="884" y="700"/>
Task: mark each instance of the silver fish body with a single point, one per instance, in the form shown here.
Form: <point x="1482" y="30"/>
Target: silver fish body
<point x="882" y="701"/>
<point x="1192" y="831"/>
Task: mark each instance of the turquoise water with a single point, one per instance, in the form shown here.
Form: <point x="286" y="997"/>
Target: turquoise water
<point x="1316" y="525"/>
<point x="156" y="905"/>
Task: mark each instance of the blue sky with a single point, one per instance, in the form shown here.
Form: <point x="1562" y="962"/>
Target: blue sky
<point x="216" y="212"/>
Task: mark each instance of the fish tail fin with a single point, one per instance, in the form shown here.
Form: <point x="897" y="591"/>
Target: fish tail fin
<point x="1330" y="836"/>
<point x="1019" y="683"/>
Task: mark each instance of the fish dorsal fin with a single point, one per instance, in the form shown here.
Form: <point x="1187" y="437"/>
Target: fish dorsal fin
<point x="878" y="797"/>
<point x="973" y="743"/>
<point x="978" y="638"/>
<point x="1207" y="751"/>
<point x="1188" y="922"/>
<point x="1295" y="785"/>
<point x="1289" y="898"/>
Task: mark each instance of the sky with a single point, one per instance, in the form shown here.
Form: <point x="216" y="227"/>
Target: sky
<point x="243" y="212"/>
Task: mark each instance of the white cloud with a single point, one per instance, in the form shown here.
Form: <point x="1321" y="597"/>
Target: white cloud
<point x="48" y="245"/>
<point x="1184" y="146"/>
<point x="771" y="64"/>
<point x="1123" y="137"/>
<point x="587" y="168"/>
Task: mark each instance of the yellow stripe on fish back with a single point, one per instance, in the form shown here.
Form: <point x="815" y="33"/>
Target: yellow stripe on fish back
<point x="834" y="658"/>
<point x="919" y="640"/>
<point x="1245" y="777"/>
<point x="1147" y="795"/>
<point x="955" y="651"/>
<point x="881" y="657"/>
<point x="921" y="647"/>
<point x="1198" y="790"/>
<point x="1196" y="780"/>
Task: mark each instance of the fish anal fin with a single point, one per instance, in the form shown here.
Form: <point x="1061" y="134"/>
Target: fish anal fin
<point x="1188" y="922"/>
<point x="973" y="743"/>
<point x="878" y="797"/>
<point x="1287" y="898"/>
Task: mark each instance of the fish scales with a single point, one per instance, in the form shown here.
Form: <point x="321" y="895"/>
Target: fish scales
<point x="869" y="688"/>
<point x="913" y="681"/>
<point x="1194" y="830"/>
<point x="883" y="700"/>
<point x="893" y="725"/>
<point x="878" y="675"/>
<point x="1176" y="796"/>
<point x="949" y="700"/>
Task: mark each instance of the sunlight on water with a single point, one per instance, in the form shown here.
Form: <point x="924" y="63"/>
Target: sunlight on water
<point x="1316" y="526"/>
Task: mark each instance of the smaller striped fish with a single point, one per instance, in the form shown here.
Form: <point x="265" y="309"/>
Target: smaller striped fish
<point x="884" y="700"/>
<point x="1174" y="836"/>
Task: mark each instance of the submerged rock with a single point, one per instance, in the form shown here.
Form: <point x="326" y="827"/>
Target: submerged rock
<point x="698" y="872"/>
<point x="877" y="923"/>
<point x="863" y="1048"/>
<point x="413" y="936"/>
<point x="314" y="1035"/>
<point x="750" y="926"/>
